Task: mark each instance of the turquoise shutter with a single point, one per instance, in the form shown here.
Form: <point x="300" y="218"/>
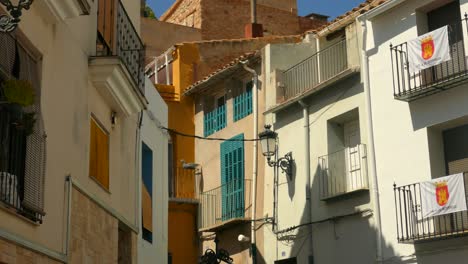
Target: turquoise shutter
<point x="232" y="178"/>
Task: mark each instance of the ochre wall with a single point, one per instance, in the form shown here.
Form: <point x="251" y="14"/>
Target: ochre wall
<point x="183" y="240"/>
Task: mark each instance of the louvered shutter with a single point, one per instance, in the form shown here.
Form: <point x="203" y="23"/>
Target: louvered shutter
<point x="232" y="178"/>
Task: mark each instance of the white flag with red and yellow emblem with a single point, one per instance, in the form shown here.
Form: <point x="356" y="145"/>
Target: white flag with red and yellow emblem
<point x="443" y="195"/>
<point x="429" y="50"/>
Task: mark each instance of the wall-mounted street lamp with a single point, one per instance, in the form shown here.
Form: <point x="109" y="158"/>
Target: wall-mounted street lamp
<point x="268" y="140"/>
<point x="8" y="23"/>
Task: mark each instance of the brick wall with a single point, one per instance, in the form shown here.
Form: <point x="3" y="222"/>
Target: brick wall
<point x="226" y="19"/>
<point x="182" y="12"/>
<point x="231" y="16"/>
<point x="214" y="54"/>
<point x="13" y="254"/>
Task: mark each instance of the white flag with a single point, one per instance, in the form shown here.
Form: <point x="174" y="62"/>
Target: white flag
<point x="429" y="50"/>
<point x="443" y="195"/>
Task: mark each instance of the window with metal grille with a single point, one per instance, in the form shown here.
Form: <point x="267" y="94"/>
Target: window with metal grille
<point x="232" y="178"/>
<point x="243" y="102"/>
<point x="22" y="136"/>
<point x="99" y="155"/>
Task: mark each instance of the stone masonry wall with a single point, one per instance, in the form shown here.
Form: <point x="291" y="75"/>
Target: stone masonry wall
<point x="215" y="54"/>
<point x="13" y="254"/>
<point x="182" y="12"/>
<point x="94" y="233"/>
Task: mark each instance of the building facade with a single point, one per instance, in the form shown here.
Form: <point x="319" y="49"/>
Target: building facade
<point x="154" y="142"/>
<point x="69" y="169"/>
<point x="420" y="123"/>
<point x="226" y="108"/>
<point x="315" y="101"/>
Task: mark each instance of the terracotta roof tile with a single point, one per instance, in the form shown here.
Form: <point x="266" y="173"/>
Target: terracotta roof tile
<point x="231" y="64"/>
<point x="353" y="13"/>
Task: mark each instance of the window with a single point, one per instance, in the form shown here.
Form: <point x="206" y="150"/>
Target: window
<point x="147" y="192"/>
<point x="22" y="135"/>
<point x="344" y="168"/>
<point x="232" y="178"/>
<point x="99" y="155"/>
<point x="243" y="102"/>
<point x="215" y="115"/>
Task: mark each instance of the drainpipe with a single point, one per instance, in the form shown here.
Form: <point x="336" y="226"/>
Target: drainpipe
<point x="306" y="131"/>
<point x="255" y="158"/>
<point x="372" y="160"/>
<point x="253" y="11"/>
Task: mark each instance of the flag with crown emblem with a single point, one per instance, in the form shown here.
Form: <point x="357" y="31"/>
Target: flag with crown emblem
<point x="429" y="50"/>
<point x="443" y="195"/>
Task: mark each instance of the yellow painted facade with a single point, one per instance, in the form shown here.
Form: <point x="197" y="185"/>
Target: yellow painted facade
<point x="183" y="241"/>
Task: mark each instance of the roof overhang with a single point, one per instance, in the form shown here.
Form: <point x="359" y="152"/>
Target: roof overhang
<point x="369" y="15"/>
<point x="220" y="75"/>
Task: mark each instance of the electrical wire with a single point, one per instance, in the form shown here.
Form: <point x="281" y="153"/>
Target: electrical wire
<point x="205" y="138"/>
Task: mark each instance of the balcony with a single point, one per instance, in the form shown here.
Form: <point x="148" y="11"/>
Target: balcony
<point x="343" y="172"/>
<point x="183" y="185"/>
<point x="226" y="205"/>
<point x="413" y="228"/>
<point x="321" y="67"/>
<point x="22" y="160"/>
<point x="409" y="86"/>
<point x="117" y="70"/>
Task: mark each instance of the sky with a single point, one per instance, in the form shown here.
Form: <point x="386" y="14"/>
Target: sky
<point x="332" y="8"/>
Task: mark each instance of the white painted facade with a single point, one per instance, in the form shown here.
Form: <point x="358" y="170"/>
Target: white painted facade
<point x="336" y="227"/>
<point x="408" y="135"/>
<point x="155" y="116"/>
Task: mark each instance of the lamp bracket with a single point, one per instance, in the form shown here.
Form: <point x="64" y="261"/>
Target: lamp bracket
<point x="285" y="163"/>
<point x="8" y="23"/>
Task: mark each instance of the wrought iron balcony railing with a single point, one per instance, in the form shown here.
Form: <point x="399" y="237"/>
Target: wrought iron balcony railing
<point x="121" y="40"/>
<point x="343" y="172"/>
<point x="227" y="202"/>
<point x="412" y="227"/>
<point x="318" y="68"/>
<point x="409" y="86"/>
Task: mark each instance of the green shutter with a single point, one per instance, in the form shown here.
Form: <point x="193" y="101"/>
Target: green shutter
<point x="232" y="178"/>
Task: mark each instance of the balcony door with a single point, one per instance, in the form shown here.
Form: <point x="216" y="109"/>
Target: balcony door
<point x="106" y="26"/>
<point x="447" y="15"/>
<point x="352" y="140"/>
<point x="232" y="178"/>
<point x="456" y="160"/>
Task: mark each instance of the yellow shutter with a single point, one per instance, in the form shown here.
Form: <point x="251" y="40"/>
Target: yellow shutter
<point x="99" y="155"/>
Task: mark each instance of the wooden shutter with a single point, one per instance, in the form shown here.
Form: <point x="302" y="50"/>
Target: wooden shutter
<point x="106" y="21"/>
<point x="99" y="155"/>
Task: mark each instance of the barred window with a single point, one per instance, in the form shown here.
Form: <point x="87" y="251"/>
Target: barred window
<point x="22" y="136"/>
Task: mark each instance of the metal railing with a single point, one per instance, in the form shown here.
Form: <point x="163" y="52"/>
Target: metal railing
<point x="126" y="44"/>
<point x="214" y="120"/>
<point x="13" y="157"/>
<point x="316" y="69"/>
<point x="409" y="86"/>
<point x="412" y="227"/>
<point x="183" y="185"/>
<point x="226" y="202"/>
<point x="343" y="172"/>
